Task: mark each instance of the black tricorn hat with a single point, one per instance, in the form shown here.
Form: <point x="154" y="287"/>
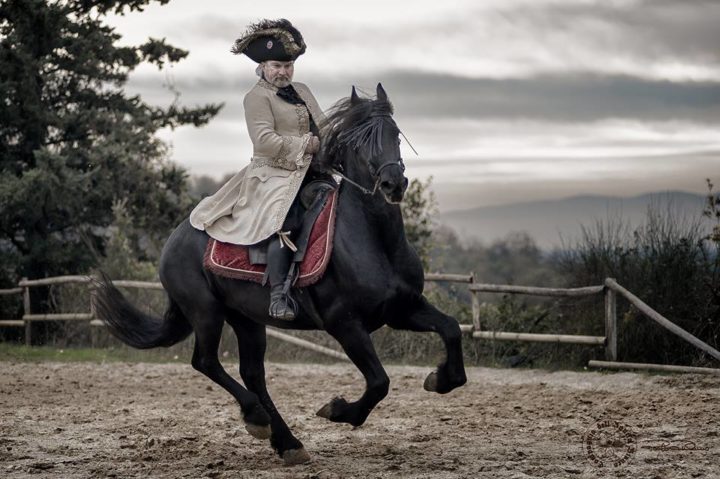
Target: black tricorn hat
<point x="270" y="40"/>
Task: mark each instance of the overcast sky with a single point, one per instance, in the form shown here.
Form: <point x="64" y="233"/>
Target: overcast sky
<point x="505" y="100"/>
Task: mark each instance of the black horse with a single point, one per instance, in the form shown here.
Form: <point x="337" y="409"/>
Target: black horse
<point x="374" y="278"/>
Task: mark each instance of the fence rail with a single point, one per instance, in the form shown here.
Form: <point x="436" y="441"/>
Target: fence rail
<point x="10" y="291"/>
<point x="540" y="338"/>
<point x="534" y="290"/>
<point x="610" y="289"/>
<point x="24" y="283"/>
<point x="652" y="367"/>
<point x="660" y="319"/>
<point x="609" y="341"/>
<point x="12" y="322"/>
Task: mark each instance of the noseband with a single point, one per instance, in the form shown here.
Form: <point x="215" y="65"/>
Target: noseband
<point x="374" y="173"/>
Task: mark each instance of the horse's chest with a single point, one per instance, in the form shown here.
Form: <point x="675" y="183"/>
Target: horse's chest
<point x="371" y="266"/>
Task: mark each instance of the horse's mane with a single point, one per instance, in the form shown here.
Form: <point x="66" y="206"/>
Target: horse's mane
<point x="353" y="124"/>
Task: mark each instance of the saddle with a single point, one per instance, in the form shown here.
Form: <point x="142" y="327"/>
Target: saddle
<point x="314" y="243"/>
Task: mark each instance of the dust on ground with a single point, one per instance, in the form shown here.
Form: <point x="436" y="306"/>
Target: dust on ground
<point x="166" y="420"/>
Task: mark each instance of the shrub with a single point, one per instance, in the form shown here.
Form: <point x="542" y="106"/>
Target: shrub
<point x="668" y="262"/>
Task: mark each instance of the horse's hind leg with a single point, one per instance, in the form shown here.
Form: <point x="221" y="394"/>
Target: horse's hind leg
<point x="208" y="325"/>
<point x="426" y="318"/>
<point x="356" y="342"/>
<point x="251" y="348"/>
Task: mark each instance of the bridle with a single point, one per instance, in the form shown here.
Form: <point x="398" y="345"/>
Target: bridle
<point x="374" y="173"/>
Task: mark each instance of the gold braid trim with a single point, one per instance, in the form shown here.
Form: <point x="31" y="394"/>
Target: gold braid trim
<point x="288" y="197"/>
<point x="286" y="39"/>
<point x="293" y="186"/>
<point x="283" y="163"/>
<point x="303" y="119"/>
<point x="267" y="85"/>
<point x="285" y="147"/>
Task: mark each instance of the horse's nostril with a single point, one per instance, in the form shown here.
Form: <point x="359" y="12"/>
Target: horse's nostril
<point x="386" y="185"/>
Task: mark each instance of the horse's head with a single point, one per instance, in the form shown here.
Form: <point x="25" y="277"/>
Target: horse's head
<point x="362" y="131"/>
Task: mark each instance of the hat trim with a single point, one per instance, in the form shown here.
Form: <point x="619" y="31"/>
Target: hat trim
<point x="286" y="38"/>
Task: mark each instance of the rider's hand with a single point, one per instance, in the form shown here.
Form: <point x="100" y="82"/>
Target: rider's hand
<point x="313" y="145"/>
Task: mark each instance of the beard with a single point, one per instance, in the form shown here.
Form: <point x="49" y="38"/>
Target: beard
<point x="280" y="81"/>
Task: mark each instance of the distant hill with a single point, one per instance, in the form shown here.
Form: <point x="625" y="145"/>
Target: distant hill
<point x="546" y="221"/>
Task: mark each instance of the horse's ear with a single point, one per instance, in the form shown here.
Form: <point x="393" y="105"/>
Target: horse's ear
<point x="354" y="98"/>
<point x="381" y="95"/>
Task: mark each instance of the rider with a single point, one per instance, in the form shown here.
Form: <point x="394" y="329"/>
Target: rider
<point x="261" y="201"/>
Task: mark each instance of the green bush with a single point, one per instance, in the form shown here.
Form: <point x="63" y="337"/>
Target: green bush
<point x="671" y="264"/>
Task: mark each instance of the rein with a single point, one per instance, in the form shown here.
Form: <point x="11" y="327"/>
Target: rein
<point x="375" y="174"/>
<point x="358" y="186"/>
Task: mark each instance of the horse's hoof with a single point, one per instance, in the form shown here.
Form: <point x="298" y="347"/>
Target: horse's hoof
<point x="293" y="457"/>
<point x="258" y="432"/>
<point x="431" y="382"/>
<point x="327" y="410"/>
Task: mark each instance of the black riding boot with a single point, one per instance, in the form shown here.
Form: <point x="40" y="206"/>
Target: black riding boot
<point x="280" y="275"/>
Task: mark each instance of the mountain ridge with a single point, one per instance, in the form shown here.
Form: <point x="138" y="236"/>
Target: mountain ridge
<point x="549" y="220"/>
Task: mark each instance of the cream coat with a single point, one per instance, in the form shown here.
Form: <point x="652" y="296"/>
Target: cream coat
<point x="252" y="206"/>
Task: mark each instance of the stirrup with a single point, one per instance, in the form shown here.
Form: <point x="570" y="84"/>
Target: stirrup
<point x="282" y="305"/>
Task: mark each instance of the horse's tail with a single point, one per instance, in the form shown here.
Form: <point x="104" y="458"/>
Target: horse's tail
<point x="132" y="326"/>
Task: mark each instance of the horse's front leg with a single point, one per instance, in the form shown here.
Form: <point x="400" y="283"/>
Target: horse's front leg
<point x="356" y="342"/>
<point x="251" y="348"/>
<point x="424" y="317"/>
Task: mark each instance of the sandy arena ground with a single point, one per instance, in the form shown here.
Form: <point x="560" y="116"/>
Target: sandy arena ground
<point x="165" y="420"/>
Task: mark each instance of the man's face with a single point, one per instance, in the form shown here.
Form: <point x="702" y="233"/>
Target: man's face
<point x="277" y="73"/>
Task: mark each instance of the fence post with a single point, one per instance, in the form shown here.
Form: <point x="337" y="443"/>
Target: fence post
<point x="26" y="311"/>
<point x="93" y="314"/>
<point x="610" y="325"/>
<point x="475" y="302"/>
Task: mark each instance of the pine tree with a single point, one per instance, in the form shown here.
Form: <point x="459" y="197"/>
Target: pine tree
<point x="72" y="142"/>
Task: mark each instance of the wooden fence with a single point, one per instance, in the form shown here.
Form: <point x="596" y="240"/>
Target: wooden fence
<point x="609" y="290"/>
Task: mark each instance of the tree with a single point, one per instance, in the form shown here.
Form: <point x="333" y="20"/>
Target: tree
<point x="73" y="143"/>
<point x="204" y="185"/>
<point x="711" y="254"/>
<point x="418" y="208"/>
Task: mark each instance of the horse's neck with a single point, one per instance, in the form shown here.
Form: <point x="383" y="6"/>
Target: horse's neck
<point x="381" y="219"/>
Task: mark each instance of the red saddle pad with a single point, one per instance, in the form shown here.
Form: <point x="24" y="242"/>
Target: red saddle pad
<point x="233" y="261"/>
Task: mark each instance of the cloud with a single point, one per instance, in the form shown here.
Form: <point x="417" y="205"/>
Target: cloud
<point x="557" y="98"/>
<point x="658" y="40"/>
<point x="520" y="97"/>
<point x="649" y="30"/>
<point x="431" y="95"/>
<point x="684" y="173"/>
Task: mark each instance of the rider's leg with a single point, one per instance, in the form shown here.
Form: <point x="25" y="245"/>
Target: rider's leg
<point x="281" y="272"/>
<point x="279" y="259"/>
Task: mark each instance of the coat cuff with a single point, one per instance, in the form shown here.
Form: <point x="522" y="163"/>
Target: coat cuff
<point x="292" y="152"/>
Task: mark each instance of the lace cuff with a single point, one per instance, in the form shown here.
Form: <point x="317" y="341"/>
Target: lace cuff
<point x="292" y="153"/>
